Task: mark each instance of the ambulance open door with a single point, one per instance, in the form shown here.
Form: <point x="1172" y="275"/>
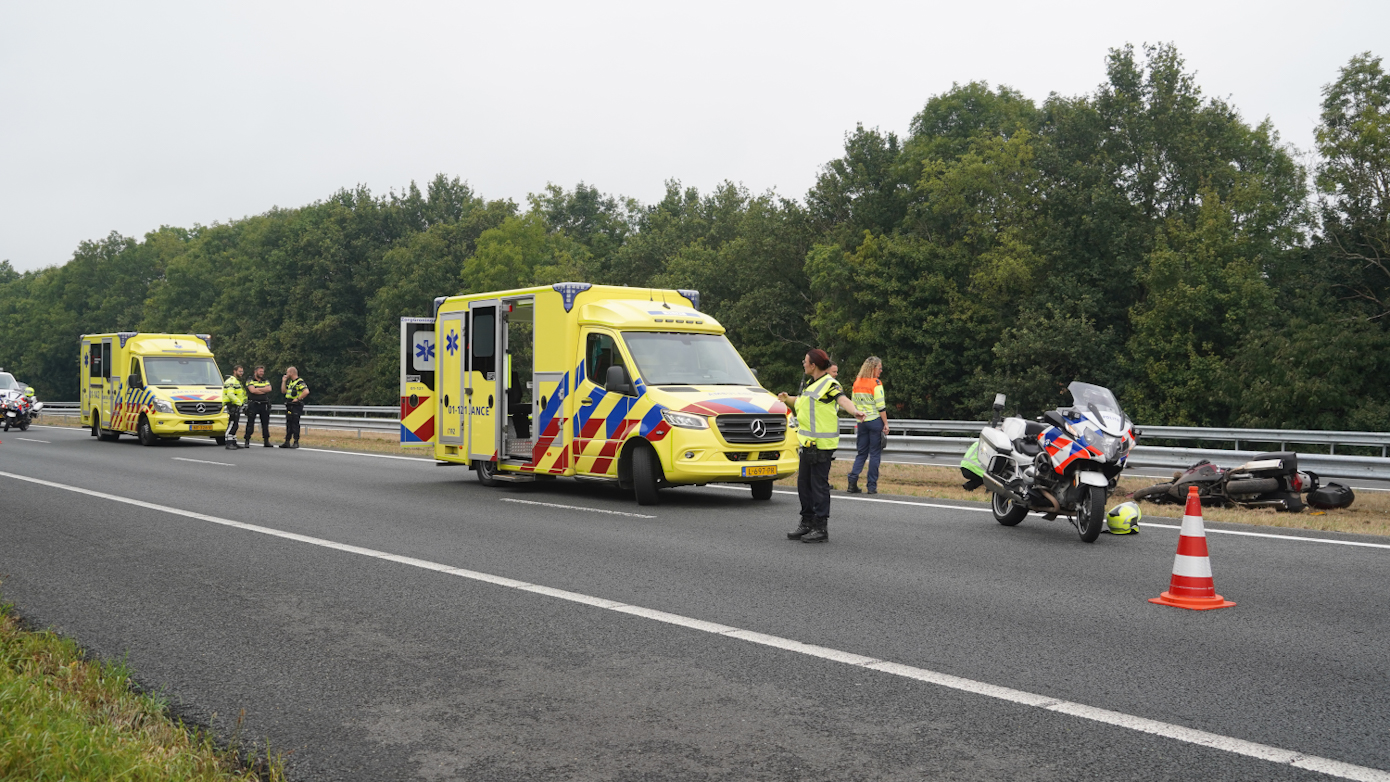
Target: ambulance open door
<point x="418" y="407"/>
<point x="481" y="380"/>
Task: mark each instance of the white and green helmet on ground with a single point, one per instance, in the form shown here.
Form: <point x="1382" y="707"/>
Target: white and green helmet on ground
<point x="1123" y="519"/>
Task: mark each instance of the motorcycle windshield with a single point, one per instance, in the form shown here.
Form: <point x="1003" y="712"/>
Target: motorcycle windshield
<point x="1100" y="405"/>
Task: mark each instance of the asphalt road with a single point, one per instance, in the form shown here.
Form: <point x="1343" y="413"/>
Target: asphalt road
<point x="382" y="618"/>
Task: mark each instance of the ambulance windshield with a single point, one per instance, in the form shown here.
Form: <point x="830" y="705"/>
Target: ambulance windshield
<point x="687" y="360"/>
<point x="181" y="372"/>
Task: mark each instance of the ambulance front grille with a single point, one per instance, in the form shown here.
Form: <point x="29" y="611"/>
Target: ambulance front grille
<point x="742" y="427"/>
<point x="198" y="408"/>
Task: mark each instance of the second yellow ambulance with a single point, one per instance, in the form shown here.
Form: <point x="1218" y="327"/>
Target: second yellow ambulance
<point x="631" y="385"/>
<point x="154" y="386"/>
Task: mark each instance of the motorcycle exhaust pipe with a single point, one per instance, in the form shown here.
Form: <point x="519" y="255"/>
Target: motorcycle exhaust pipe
<point x="995" y="486"/>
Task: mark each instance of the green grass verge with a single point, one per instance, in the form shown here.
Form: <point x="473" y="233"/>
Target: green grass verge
<point x="64" y="717"/>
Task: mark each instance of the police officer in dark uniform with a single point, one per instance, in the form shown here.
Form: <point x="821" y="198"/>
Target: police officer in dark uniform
<point x="234" y="396"/>
<point x="259" y="390"/>
<point x="294" y="389"/>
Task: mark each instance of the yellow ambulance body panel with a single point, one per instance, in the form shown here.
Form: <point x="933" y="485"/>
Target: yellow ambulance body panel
<point x="632" y="385"/>
<point x="155" y="386"/>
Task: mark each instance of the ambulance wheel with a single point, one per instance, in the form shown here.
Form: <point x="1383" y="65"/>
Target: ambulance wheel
<point x="1005" y="511"/>
<point x="102" y="434"/>
<point x="146" y="434"/>
<point x="644" y="475"/>
<point x="762" y="490"/>
<point x="486" y="470"/>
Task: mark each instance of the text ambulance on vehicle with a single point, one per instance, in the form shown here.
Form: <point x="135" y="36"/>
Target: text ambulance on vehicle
<point x="154" y="386"/>
<point x="631" y="385"/>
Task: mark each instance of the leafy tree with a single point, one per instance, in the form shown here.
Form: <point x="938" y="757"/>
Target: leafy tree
<point x="1354" y="181"/>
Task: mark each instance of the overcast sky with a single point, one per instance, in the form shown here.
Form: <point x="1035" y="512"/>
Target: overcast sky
<point x="127" y="116"/>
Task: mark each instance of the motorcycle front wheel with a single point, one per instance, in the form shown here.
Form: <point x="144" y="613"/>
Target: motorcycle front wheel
<point x="1006" y="512"/>
<point x="1090" y="514"/>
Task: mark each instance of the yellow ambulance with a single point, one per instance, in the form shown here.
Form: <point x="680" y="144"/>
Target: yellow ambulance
<point x="630" y="385"/>
<point x="154" y="386"/>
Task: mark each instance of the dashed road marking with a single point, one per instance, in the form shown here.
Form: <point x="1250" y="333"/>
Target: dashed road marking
<point x="201" y="461"/>
<point x="32" y="440"/>
<point x="1117" y="719"/>
<point x="578" y="507"/>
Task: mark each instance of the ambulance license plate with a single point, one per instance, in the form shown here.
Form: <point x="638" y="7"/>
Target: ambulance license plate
<point x="753" y="472"/>
<point x="200" y="426"/>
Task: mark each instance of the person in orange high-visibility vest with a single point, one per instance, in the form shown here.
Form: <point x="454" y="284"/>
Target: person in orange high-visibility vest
<point x="869" y="434"/>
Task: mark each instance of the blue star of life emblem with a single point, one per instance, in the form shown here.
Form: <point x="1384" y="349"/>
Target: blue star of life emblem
<point x="451" y="344"/>
<point x="425" y="351"/>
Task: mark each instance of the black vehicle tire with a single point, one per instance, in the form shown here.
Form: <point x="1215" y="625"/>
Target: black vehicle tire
<point x="486" y="470"/>
<point x="145" y="433"/>
<point x="1090" y="514"/>
<point x="1153" y="493"/>
<point x="1252" y="486"/>
<point x="102" y="434"/>
<point x="220" y="439"/>
<point x="645" y="473"/>
<point x="1006" y="512"/>
<point x="762" y="490"/>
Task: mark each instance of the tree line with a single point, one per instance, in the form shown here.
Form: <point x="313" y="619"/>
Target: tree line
<point x="1143" y="236"/>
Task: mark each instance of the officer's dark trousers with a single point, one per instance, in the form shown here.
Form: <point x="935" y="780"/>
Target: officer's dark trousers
<point x="233" y="420"/>
<point x="813" y="483"/>
<point x="292" y="414"/>
<point x="258" y="410"/>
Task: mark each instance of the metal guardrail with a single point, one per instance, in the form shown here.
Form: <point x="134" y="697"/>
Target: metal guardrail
<point x="923" y="438"/>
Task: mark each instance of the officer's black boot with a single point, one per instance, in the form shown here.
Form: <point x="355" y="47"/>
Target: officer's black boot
<point x="286" y="443"/>
<point x="296" y="443"/>
<point x="853" y="487"/>
<point x="820" y="532"/>
<point x="266" y="444"/>
<point x="806" y="526"/>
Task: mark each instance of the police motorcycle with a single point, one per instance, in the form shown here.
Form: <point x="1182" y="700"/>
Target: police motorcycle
<point x="18" y="413"/>
<point x="1065" y="463"/>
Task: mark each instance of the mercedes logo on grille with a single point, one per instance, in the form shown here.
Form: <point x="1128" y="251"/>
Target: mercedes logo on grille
<point x="759" y="429"/>
<point x="202" y="408"/>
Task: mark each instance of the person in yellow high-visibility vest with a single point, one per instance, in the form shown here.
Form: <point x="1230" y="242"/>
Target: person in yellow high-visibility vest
<point x="818" y="433"/>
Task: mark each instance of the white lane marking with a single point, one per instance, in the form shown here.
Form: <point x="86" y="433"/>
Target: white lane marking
<point x="1144" y="525"/>
<point x="375" y="455"/>
<point x="578" y="507"/>
<point x="32" y="440"/>
<point x="1216" y="741"/>
<point x="201" y="461"/>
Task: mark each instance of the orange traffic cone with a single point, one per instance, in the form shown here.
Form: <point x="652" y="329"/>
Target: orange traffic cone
<point x="1192" y="586"/>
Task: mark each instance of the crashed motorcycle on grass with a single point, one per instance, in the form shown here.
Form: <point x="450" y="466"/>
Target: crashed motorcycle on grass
<point x="1065" y="463"/>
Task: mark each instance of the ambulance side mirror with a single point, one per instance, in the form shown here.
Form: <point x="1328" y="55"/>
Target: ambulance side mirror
<point x="135" y="381"/>
<point x="616" y="381"/>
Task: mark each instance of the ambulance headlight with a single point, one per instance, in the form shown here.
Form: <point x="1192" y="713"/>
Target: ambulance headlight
<point x="162" y="406"/>
<point x="685" y="420"/>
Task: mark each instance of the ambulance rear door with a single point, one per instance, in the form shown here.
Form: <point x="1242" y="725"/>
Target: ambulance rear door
<point x="451" y="362"/>
<point x="418" y="408"/>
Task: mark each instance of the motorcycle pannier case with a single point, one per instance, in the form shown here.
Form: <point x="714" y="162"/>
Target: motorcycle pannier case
<point x="1331" y="497"/>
